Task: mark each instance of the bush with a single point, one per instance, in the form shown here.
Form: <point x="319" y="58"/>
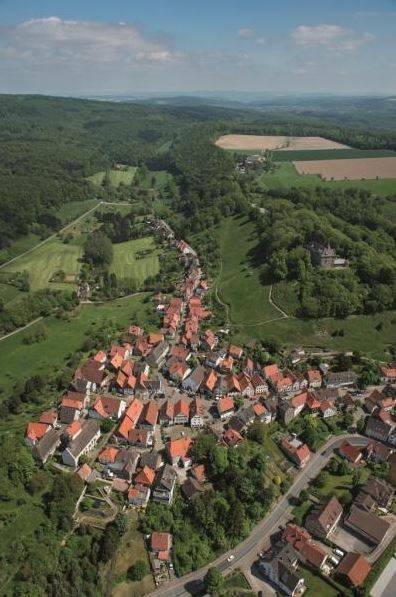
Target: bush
<point x="138" y="570"/>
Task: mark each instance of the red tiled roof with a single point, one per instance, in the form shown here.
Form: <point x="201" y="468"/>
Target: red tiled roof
<point x="179" y="447"/>
<point x="69" y="402"/>
<point x="72" y="429"/>
<point x="116" y="361"/>
<point x="235" y="351"/>
<point x="161" y="541"/>
<point x="198" y="471"/>
<point x="355" y="567"/>
<point x="351" y="452"/>
<point x="150" y="414"/>
<point x="168" y="409"/>
<point x="225" y="404"/>
<point x="232" y="437"/>
<point x="272" y="371"/>
<point x="388" y="372"/>
<point x="259" y="409"/>
<point x="49" y="417"/>
<point x="313" y="375"/>
<point x="106" y="406"/>
<point x="100" y="356"/>
<point x="299" y="400"/>
<point x="35" y="431"/>
<point x="134" y="411"/>
<point x="211" y="380"/>
<point x="155" y="338"/>
<point x="108" y="455"/>
<point x="84" y="471"/>
<point x="145" y="476"/>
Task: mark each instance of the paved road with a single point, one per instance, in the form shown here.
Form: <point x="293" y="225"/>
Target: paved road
<point x="246" y="551"/>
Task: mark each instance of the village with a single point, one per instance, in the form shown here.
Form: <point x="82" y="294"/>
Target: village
<point x="129" y="419"/>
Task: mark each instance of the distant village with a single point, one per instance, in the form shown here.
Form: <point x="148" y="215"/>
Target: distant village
<point x="156" y="390"/>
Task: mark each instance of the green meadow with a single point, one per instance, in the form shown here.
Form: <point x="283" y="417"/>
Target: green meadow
<point x="116" y="176"/>
<point x="136" y="260"/>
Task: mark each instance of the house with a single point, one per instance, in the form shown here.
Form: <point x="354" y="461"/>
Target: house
<point x="213" y="359"/>
<point x="350" y="452"/>
<point x="145" y="477"/>
<point x="138" y="495"/>
<point x="324" y="519"/>
<point x="141" y="438"/>
<point x="164" y="486"/>
<point x="155" y="338"/>
<point x="245" y="385"/>
<point x="100" y="357"/>
<point x="49" y="417"/>
<point x="355" y="568"/>
<point x="93" y="375"/>
<point x="341" y="379"/>
<point x="262" y="413"/>
<point x="178" y="370"/>
<point x="161" y="545"/>
<point x="82" y="444"/>
<point x="181" y="412"/>
<point x="380" y="491"/>
<point x="325" y="256"/>
<point x="378" y="400"/>
<point x="191" y="488"/>
<point x="149" y="416"/>
<point x="47" y="445"/>
<point x="167" y="413"/>
<point x="142" y="347"/>
<point x="34" y="432"/>
<point x="198" y="472"/>
<point x="226" y="364"/>
<point x="370" y="527"/>
<point x="210" y="381"/>
<point x="377" y="452"/>
<point x="130" y="419"/>
<point x="309" y="551"/>
<point x="209" y="340"/>
<point x="235" y="351"/>
<point x="86" y="474"/>
<point x="259" y="385"/>
<point x="124" y="463"/>
<point x="280" y="566"/>
<point x="156" y="358"/>
<point x="232" y="385"/>
<point x="197" y="413"/>
<point x="272" y="373"/>
<point x="151" y="459"/>
<point x="225" y="407"/>
<point x="108" y="455"/>
<point x="193" y="382"/>
<point x="72" y="431"/>
<point x="119" y="485"/>
<point x="107" y="407"/>
<point x="177" y="450"/>
<point x="327" y="409"/>
<point x="232" y="437"/>
<point x="298" y="402"/>
<point x="314" y="378"/>
<point x="377" y="429"/>
<point x="388" y="374"/>
<point x="71" y="407"/>
<point x="242" y="419"/>
<point x="298" y="452"/>
<point x="296" y="355"/>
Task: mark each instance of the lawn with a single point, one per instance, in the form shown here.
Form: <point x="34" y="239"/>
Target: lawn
<point x="128" y="264"/>
<point x="300" y="512"/>
<point x="285" y="295"/>
<point x="116" y="177"/>
<point x="317" y="585"/>
<point x="74" y="209"/>
<point x="20" y="361"/>
<point x="339" y="485"/>
<point x="286" y="176"/>
<point x="44" y="261"/>
<point x="238" y="281"/>
<point x="19" y="246"/>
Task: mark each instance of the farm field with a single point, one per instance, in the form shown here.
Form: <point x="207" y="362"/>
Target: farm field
<point x="286" y="176"/>
<point x="330" y="154"/>
<point x="127" y="264"/>
<point x="116" y="176"/>
<point x="64" y="337"/>
<point x="239" y="278"/>
<point x="280" y="142"/>
<point x="355" y="169"/>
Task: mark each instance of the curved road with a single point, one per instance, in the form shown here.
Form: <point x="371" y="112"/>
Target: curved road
<point x="247" y="550"/>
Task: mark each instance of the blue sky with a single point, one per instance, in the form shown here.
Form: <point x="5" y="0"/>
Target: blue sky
<point x="124" y="46"/>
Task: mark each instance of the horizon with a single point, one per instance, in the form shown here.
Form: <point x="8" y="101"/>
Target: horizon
<point x="68" y="49"/>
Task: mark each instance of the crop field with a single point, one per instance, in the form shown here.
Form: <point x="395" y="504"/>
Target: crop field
<point x="286" y="176"/>
<point x="330" y="154"/>
<point x="116" y="176"/>
<point x="279" y="142"/>
<point x="127" y="262"/>
<point x="354" y="169"/>
<point x="46" y="260"/>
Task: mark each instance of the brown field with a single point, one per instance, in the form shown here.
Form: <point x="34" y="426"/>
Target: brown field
<point x="353" y="169"/>
<point x="261" y="142"/>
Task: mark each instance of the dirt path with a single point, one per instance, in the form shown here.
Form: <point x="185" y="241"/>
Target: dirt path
<point x="285" y="315"/>
<point x="21" y="329"/>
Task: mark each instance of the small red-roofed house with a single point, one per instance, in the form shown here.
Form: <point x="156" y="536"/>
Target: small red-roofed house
<point x="298" y="402"/>
<point x="135" y="331"/>
<point x="177" y="450"/>
<point x="246" y="388"/>
<point x="209" y="340"/>
<point x="181" y="412"/>
<point x="309" y="550"/>
<point x="149" y="417"/>
<point x="179" y="370"/>
<point x="116" y="361"/>
<point x="298" y="452"/>
<point x="108" y="455"/>
<point x="72" y="430"/>
<point x="155" y="338"/>
<point x="233" y="385"/>
<point x="327" y="409"/>
<point x="272" y="372"/>
<point x="145" y="476"/>
<point x="351" y="453"/>
<point x="49" y="417"/>
<point x="100" y="357"/>
<point x="355" y="568"/>
<point x="167" y="413"/>
<point x="139" y="495"/>
<point x="161" y="545"/>
<point x="226" y="364"/>
<point x="210" y="382"/>
<point x="198" y="472"/>
<point x="232" y="437"/>
<point x="107" y="407"/>
<point x="260" y="386"/>
<point x="262" y="413"/>
<point x="85" y="473"/>
<point x="225" y="407"/>
<point x="34" y="432"/>
<point x="235" y="351"/>
<point x="142" y="438"/>
<point x="130" y="419"/>
<point x="388" y="374"/>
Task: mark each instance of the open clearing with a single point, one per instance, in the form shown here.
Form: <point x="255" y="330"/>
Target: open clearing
<point x="127" y="262"/>
<point x="279" y="142"/>
<point x="116" y="176"/>
<point x="354" y="169"/>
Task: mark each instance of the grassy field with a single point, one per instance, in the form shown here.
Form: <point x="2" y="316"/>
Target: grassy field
<point x="20" y="361"/>
<point x="239" y="279"/>
<point x="43" y="262"/>
<point x="128" y="264"/>
<point x="340" y="485"/>
<point x="286" y="176"/>
<point x="9" y="293"/>
<point x="19" y="246"/>
<point x="74" y="209"/>
<point x="116" y="176"/>
<point x="317" y="585"/>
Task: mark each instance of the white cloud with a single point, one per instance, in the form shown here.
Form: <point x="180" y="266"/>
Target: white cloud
<point x="54" y="40"/>
<point x="333" y="37"/>
<point x="246" y="32"/>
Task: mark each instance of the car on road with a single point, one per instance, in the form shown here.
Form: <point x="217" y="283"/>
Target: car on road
<point x="230" y="558"/>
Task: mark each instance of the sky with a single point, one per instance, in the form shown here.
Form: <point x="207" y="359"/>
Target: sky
<point x="125" y="47"/>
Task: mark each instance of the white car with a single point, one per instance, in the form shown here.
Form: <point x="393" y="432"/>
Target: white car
<point x="230" y="558"/>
